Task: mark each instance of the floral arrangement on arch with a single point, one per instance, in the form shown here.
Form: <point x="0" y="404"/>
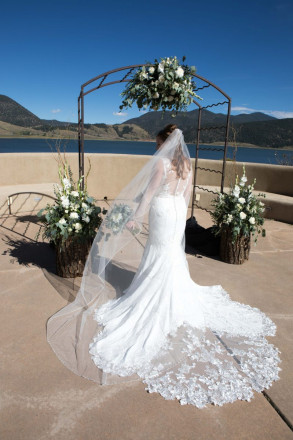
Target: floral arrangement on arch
<point x="164" y="84"/>
<point x="240" y="210"/>
<point x="74" y="213"/>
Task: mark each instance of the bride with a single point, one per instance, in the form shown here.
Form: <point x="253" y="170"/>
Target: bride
<point x="138" y="314"/>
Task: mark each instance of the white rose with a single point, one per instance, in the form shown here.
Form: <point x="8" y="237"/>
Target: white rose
<point x="179" y="72"/>
<point x="86" y="218"/>
<point x="62" y="221"/>
<point x="156" y="95"/>
<point x="241" y="200"/>
<point x="77" y="226"/>
<point x="74" y="215"/>
<point x="84" y="205"/>
<point x="242" y="215"/>
<point x="151" y="70"/>
<point x="65" y="201"/>
<point x="252" y="220"/>
<point x="74" y="193"/>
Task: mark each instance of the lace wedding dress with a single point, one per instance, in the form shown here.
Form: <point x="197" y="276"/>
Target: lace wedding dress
<point x="185" y="341"/>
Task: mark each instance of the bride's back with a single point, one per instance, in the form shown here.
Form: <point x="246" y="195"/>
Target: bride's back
<point x="174" y="182"/>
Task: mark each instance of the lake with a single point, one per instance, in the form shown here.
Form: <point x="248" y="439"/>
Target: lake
<point x="244" y="154"/>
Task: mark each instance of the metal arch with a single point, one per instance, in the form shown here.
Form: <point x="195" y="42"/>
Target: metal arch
<point x="130" y="69"/>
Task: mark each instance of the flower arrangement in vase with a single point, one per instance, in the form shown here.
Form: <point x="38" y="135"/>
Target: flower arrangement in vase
<point x="71" y="223"/>
<point x="238" y="215"/>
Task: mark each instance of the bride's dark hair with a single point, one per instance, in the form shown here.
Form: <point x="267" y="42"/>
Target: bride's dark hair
<point x="179" y="162"/>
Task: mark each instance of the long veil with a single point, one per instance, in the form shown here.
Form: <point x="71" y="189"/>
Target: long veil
<point x="112" y="263"/>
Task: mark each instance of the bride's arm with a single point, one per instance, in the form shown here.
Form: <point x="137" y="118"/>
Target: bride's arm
<point x="188" y="189"/>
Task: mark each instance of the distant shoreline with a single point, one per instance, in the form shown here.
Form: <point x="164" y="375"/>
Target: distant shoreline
<point x="239" y="145"/>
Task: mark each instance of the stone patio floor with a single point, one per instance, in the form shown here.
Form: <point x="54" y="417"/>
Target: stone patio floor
<point x="41" y="399"/>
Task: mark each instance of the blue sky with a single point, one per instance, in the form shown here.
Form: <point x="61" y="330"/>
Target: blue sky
<point x="50" y="48"/>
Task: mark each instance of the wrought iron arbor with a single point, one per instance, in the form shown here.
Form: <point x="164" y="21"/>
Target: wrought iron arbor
<point x="108" y="79"/>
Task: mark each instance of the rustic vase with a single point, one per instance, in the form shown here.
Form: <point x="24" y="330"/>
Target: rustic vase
<point x="71" y="257"/>
<point x="234" y="252"/>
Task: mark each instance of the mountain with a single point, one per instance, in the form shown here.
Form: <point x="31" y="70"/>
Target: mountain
<point x="14" y="113"/>
<point x="254" y="128"/>
<point x="152" y="122"/>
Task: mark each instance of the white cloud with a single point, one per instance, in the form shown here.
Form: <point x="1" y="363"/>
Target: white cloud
<point x="57" y="110"/>
<point x="275" y="113"/>
<point x="119" y="114"/>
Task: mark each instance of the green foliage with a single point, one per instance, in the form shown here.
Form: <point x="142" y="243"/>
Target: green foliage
<point x="239" y="210"/>
<point x="163" y="84"/>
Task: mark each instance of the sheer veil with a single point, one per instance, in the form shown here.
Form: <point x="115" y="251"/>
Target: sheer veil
<point x="112" y="262"/>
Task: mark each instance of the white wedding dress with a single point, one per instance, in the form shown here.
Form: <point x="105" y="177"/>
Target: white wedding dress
<point x="185" y="341"/>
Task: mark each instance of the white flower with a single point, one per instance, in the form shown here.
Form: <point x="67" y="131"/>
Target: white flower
<point x="171" y="98"/>
<point x="84" y="205"/>
<point x="161" y="78"/>
<point x="252" y="220"/>
<point x="74" y="215"/>
<point x="74" y="206"/>
<point x="65" y="201"/>
<point x="151" y="70"/>
<point x="175" y="85"/>
<point x="261" y="204"/>
<point x="117" y="217"/>
<point x="62" y="221"/>
<point x="242" y="215"/>
<point x="241" y="200"/>
<point x="89" y="211"/>
<point x="69" y="229"/>
<point x="77" y="226"/>
<point x="161" y="67"/>
<point x="243" y="179"/>
<point x="156" y="95"/>
<point x="229" y="218"/>
<point x="242" y="183"/>
<point x="239" y="206"/>
<point x="179" y="72"/>
<point x="66" y="183"/>
<point x="144" y="75"/>
<point x="66" y="211"/>
<point x="86" y="218"/>
<point x="74" y="193"/>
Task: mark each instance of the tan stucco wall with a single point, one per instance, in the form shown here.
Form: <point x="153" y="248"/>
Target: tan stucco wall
<point x="110" y="173"/>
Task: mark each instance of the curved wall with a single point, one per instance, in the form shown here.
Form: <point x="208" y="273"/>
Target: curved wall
<point x="110" y="173"/>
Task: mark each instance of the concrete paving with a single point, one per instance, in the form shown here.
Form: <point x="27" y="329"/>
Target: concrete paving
<point x="41" y="399"/>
